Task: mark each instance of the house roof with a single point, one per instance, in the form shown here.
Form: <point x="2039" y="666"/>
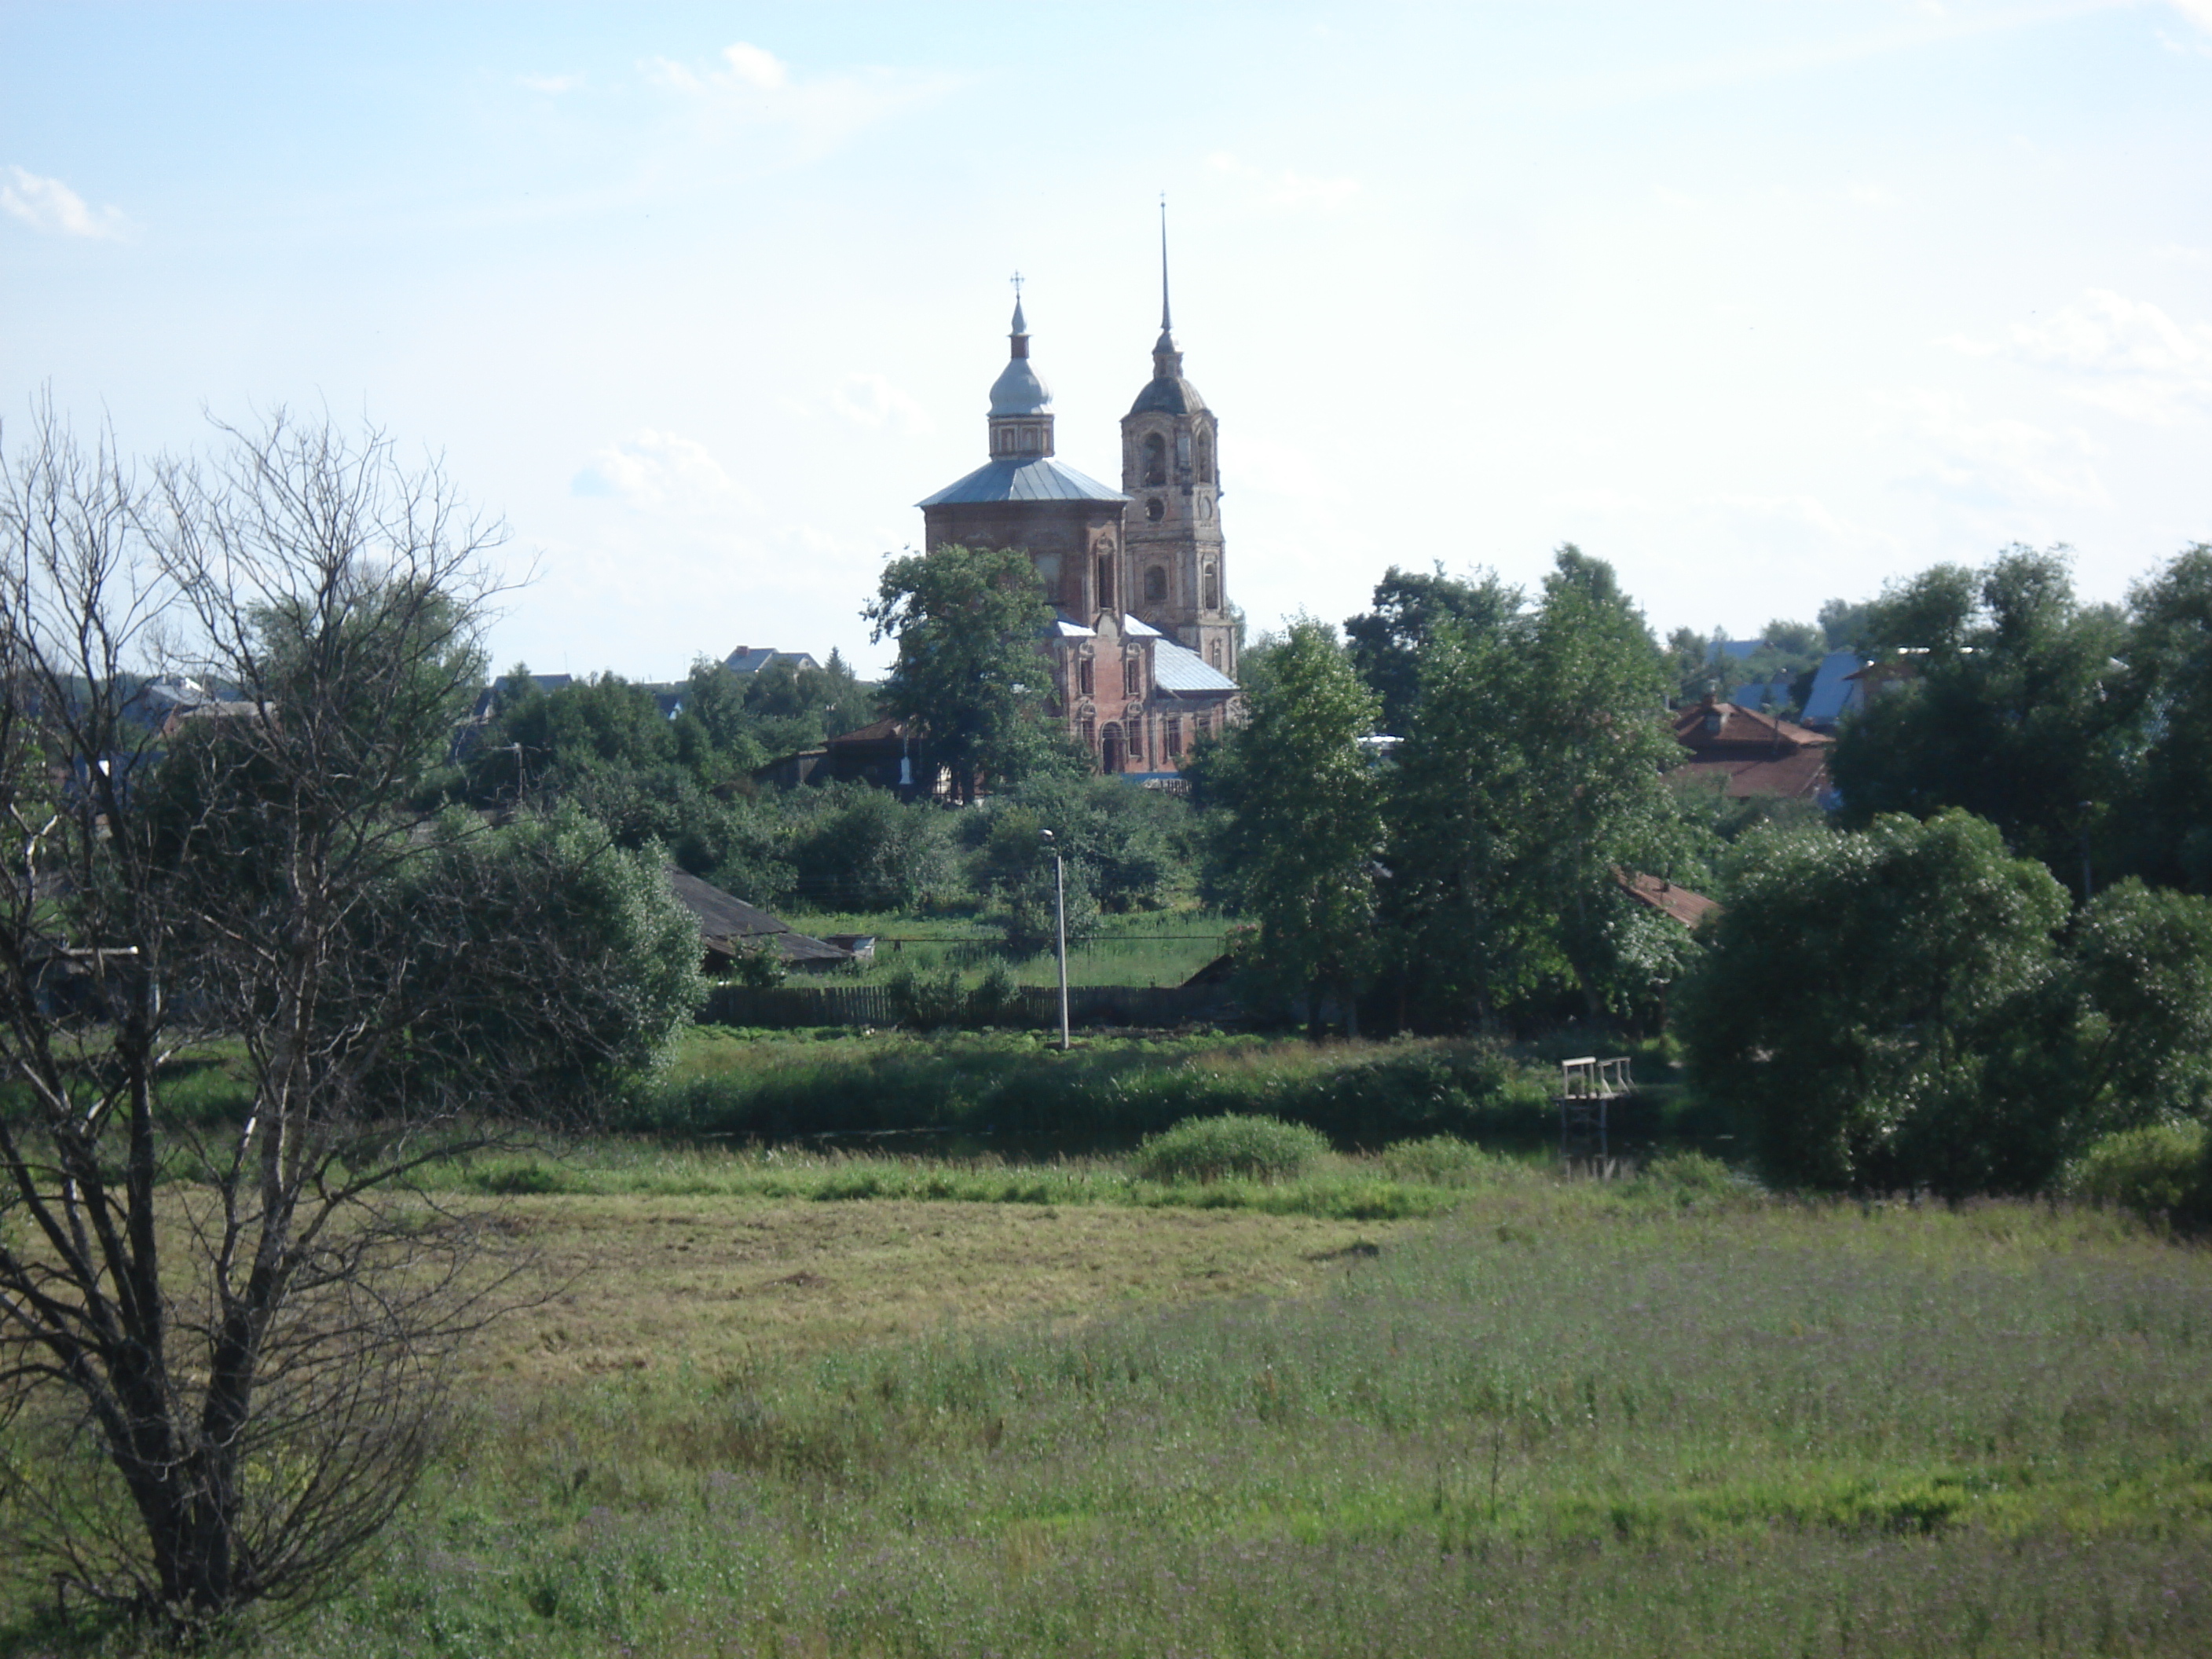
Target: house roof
<point x="1831" y="688"/>
<point x="1662" y="896"/>
<point x="1040" y="479"/>
<point x="727" y="922"/>
<point x="1794" y="775"/>
<point x="1176" y="669"/>
<point x="751" y="658"/>
<point x="1712" y="727"/>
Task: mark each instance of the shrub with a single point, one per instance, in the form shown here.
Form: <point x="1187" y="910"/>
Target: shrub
<point x="2166" y="1170"/>
<point x="1209" y="1148"/>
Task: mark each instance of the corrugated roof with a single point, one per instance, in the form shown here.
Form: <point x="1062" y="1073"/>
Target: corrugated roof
<point x="1137" y="629"/>
<point x="1041" y="478"/>
<point x="1175" y="669"/>
<point x="727" y="922"/>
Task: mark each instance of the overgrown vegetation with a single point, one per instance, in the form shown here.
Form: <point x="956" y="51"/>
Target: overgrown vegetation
<point x="1586" y="1418"/>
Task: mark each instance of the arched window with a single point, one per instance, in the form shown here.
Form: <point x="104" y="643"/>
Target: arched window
<point x="1156" y="584"/>
<point x="1211" y="587"/>
<point x="1206" y="457"/>
<point x="1155" y="459"/>
<point x="1214" y="654"/>
<point x="1083" y="685"/>
<point x="1106" y="595"/>
<point x="1204" y="509"/>
<point x="1156" y="509"/>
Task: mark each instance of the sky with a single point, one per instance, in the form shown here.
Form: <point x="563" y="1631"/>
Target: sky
<point x="1764" y="303"/>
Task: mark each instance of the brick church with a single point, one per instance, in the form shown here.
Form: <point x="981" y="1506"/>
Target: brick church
<point x="1142" y="643"/>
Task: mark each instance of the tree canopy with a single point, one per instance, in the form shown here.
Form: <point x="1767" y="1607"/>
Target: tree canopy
<point x="971" y="677"/>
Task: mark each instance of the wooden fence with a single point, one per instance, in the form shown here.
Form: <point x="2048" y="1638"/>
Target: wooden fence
<point x="788" y="1006"/>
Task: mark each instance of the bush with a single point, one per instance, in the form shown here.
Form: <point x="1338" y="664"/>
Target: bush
<point x="1209" y="1148"/>
<point x="2165" y="1170"/>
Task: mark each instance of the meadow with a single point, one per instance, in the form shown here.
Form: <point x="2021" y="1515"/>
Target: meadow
<point x="792" y="1405"/>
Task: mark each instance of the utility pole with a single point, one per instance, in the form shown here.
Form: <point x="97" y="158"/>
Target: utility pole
<point x="1059" y="928"/>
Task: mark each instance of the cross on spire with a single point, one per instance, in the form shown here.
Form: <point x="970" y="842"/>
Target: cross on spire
<point x="1016" y="279"/>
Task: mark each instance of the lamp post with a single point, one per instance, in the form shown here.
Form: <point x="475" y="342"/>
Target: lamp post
<point x="1060" y="929"/>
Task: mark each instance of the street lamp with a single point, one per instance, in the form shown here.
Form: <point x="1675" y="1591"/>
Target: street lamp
<point x="1059" y="928"/>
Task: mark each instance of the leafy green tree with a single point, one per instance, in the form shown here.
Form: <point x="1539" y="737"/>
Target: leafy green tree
<point x="1387" y="643"/>
<point x="970" y="675"/>
<point x="1299" y="820"/>
<point x="1866" y="1000"/>
<point x="1532" y="772"/>
<point x="2016" y="713"/>
<point x="1132" y="844"/>
<point x="2170" y="681"/>
<point x="1910" y="1005"/>
<point x="546" y="900"/>
<point x="858" y="849"/>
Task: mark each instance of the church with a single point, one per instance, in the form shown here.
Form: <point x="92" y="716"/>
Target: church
<point x="1143" y="643"/>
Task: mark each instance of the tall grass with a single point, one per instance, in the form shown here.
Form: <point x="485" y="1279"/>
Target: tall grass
<point x="1565" y="1423"/>
<point x="1015" y="1084"/>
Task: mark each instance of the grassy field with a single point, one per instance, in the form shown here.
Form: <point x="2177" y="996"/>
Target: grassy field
<point x="1662" y="1416"/>
<point x="1158" y="947"/>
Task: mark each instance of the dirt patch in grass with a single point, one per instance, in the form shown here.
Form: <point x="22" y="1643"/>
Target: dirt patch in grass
<point x="640" y="1284"/>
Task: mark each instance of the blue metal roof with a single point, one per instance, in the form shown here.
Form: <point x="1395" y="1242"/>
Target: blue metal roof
<point x="1039" y="480"/>
<point x="1831" y="688"/>
<point x="1175" y="669"/>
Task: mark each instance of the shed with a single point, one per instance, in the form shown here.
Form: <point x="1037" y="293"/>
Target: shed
<point x="729" y="925"/>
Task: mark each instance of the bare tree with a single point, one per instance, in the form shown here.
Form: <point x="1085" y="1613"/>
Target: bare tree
<point x="222" y="697"/>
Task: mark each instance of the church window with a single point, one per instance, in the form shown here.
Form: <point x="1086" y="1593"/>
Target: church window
<point x="1105" y="584"/>
<point x="1204" y="509"/>
<point x="1156" y="584"/>
<point x="1172" y="736"/>
<point x="1156" y="509"/>
<point x="1155" y="459"/>
<point x="1182" y="449"/>
<point x="1083" y="685"/>
<point x="1089" y="727"/>
<point x="1214" y="654"/>
<point x="1212" y="585"/>
<point x="1206" y="457"/>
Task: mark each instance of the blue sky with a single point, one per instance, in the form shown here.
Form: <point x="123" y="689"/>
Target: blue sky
<point x="1764" y="303"/>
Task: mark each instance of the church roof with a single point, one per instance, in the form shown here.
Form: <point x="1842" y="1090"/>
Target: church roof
<point x="1020" y="390"/>
<point x="1168" y="394"/>
<point x="1176" y="669"/>
<point x="1039" y="479"/>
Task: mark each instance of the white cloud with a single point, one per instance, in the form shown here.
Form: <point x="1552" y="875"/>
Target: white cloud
<point x="553" y="83"/>
<point x="2198" y="12"/>
<point x="2004" y="463"/>
<point x="48" y="204"/>
<point x="2122" y="355"/>
<point x="753" y="88"/>
<point x="754" y="66"/>
<point x="1287" y="188"/>
<point x="872" y="400"/>
<point x="659" y="471"/>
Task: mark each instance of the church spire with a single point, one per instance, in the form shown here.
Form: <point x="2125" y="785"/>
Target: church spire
<point x="1167" y="360"/>
<point x="1166" y="322"/>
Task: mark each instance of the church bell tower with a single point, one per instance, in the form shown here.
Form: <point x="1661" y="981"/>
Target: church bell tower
<point x="1177" y="573"/>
